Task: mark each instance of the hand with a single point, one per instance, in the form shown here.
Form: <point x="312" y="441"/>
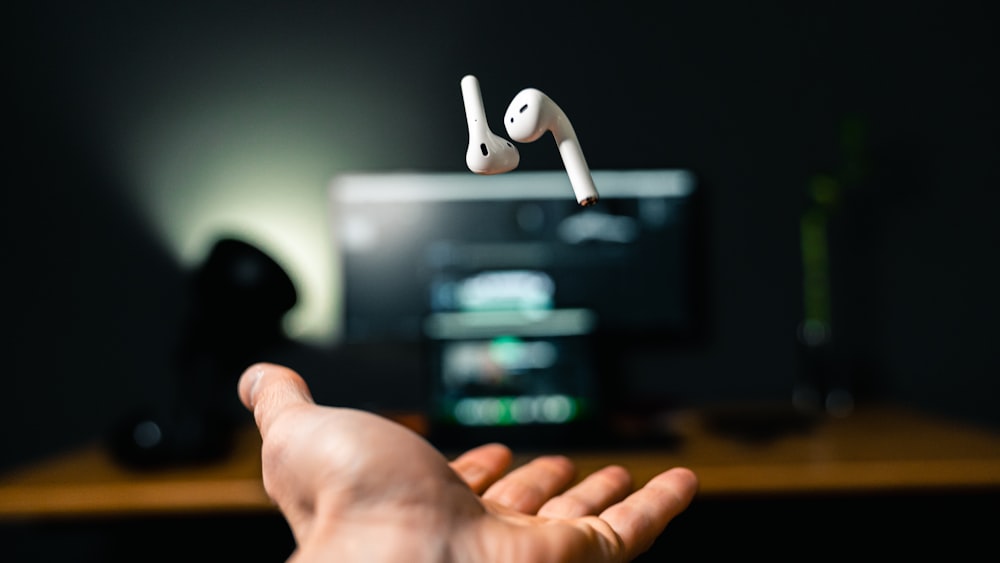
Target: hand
<point x="354" y="486"/>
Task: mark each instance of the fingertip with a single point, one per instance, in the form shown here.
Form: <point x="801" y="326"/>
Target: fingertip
<point x="618" y="476"/>
<point x="682" y="479"/>
<point x="496" y="450"/>
<point x="268" y="389"/>
<point x="619" y="472"/>
<point x="481" y="466"/>
<point x="559" y="461"/>
<point x="689" y="475"/>
<point x="247" y="383"/>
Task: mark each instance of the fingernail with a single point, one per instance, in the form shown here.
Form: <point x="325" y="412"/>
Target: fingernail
<point x="255" y="376"/>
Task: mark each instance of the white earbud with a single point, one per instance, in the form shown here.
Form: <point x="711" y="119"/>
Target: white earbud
<point x="487" y="153"/>
<point x="529" y="115"/>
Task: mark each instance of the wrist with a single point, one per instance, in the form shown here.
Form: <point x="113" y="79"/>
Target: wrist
<point x="418" y="533"/>
<point x="375" y="544"/>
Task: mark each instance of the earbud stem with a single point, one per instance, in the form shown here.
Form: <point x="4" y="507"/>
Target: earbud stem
<point x="475" y="114"/>
<point x="576" y="165"/>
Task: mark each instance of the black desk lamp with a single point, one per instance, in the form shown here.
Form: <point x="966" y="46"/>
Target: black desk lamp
<point x="239" y="297"/>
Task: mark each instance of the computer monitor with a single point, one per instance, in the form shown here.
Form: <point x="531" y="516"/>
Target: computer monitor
<point x="515" y="295"/>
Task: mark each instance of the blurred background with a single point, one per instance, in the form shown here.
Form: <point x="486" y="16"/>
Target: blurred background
<point x="141" y="134"/>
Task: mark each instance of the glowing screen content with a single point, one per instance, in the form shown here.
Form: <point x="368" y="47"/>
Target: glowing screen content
<point x="511" y="290"/>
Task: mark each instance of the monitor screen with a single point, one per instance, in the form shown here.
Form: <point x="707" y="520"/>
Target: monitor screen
<point x="510" y="289"/>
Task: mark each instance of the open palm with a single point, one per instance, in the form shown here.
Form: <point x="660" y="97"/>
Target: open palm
<point x="354" y="486"/>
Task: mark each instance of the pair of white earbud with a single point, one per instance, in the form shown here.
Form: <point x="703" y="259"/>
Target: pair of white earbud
<point x="529" y="115"/>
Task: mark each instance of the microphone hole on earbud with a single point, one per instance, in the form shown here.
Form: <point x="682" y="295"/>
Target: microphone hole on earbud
<point x="524" y="107"/>
<point x="485" y="151"/>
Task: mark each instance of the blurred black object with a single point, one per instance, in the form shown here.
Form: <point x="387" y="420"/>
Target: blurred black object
<point x="239" y="297"/>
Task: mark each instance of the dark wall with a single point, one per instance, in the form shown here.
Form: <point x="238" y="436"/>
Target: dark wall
<point x="752" y="97"/>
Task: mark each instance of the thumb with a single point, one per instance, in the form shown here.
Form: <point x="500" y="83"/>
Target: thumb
<point x="269" y="389"/>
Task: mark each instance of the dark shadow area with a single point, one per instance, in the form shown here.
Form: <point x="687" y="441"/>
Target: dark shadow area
<point x="826" y="528"/>
<point x="252" y="537"/>
<point x="92" y="297"/>
<point x="776" y="529"/>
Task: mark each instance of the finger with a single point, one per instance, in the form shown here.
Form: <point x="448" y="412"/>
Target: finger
<point x="269" y="390"/>
<point x="590" y="496"/>
<point x="528" y="487"/>
<point x="643" y="515"/>
<point x="482" y="466"/>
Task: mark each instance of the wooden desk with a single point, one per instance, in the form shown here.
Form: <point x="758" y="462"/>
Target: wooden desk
<point x="90" y="482"/>
<point x="877" y="449"/>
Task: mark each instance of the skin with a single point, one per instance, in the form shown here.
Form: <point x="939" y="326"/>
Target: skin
<point x="354" y="486"/>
